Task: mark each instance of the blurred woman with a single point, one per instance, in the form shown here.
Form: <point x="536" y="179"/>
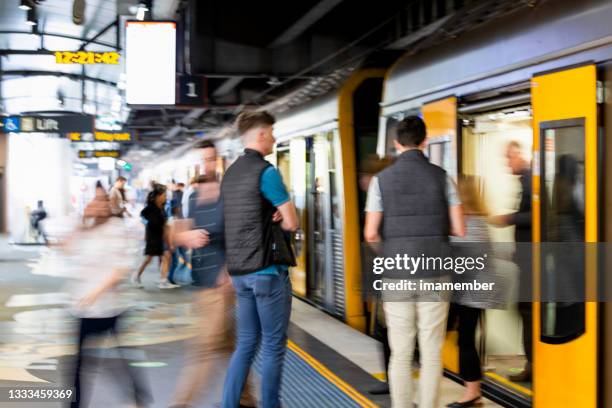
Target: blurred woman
<point x="466" y="309"/>
<point x="101" y="253"/>
<point x="155" y="218"/>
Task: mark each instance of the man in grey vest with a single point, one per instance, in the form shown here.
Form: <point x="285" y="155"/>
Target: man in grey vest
<point x="412" y="207"/>
<point x="255" y="204"/>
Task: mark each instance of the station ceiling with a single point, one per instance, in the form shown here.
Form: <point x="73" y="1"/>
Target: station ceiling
<point x="274" y="53"/>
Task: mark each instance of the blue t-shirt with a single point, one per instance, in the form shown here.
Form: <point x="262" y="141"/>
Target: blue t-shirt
<point x="272" y="188"/>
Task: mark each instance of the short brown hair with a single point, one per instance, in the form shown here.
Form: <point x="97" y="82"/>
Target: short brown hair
<point x="248" y="120"/>
<point x="204" y="144"/>
<point x="411" y="131"/>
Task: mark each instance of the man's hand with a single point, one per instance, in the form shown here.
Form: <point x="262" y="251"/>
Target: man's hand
<point x="193" y="239"/>
<point x="277" y="216"/>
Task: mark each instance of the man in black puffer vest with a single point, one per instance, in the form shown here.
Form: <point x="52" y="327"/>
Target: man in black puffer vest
<point x="412" y="208"/>
<point x="254" y="199"/>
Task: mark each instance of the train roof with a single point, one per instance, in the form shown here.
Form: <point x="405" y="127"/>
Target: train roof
<point x="504" y="52"/>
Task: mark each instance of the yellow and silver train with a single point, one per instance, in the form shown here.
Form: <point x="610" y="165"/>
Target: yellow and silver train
<point x="539" y="78"/>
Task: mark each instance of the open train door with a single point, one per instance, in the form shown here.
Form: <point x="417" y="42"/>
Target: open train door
<point x="565" y="137"/>
<point x="440" y="117"/>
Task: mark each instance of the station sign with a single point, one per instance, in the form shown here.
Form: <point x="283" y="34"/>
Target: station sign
<point x="86" y="57"/>
<point x="102" y="136"/>
<point x="47" y="124"/>
<point x="95" y="154"/>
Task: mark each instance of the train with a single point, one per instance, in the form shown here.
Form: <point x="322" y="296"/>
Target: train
<point x="517" y="79"/>
<point x="539" y="77"/>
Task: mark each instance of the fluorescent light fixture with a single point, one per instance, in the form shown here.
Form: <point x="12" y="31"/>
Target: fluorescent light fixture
<point x="150" y="62"/>
<point x="140" y="13"/>
<point x="25" y="5"/>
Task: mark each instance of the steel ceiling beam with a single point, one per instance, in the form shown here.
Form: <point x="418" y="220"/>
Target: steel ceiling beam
<point x="70" y="37"/>
<point x="305" y="22"/>
<point x="99" y="34"/>
<point x="227" y="86"/>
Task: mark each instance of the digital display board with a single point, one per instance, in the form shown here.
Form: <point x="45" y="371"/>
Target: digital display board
<point x="150" y="62"/>
<point x="86" y="57"/>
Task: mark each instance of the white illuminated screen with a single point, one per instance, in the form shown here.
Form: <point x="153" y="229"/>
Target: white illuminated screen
<point x="150" y="60"/>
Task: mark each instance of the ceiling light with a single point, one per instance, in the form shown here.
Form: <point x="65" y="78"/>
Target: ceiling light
<point x="25" y="5"/>
<point x="140" y="14"/>
<point x="32" y="20"/>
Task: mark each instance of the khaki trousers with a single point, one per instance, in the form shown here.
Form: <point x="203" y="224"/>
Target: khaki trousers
<point x="405" y="321"/>
<point x="212" y="346"/>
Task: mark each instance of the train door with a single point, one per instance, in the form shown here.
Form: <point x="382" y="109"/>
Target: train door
<point x="487" y="187"/>
<point x="565" y="176"/>
<point x="323" y="223"/>
<point x="291" y="162"/>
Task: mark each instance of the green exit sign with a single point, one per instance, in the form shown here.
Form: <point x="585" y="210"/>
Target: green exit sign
<point x="124" y="165"/>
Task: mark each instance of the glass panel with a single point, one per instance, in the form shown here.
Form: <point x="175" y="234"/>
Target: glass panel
<point x="563" y="221"/>
<point x="439" y="153"/>
<point x="392" y="123"/>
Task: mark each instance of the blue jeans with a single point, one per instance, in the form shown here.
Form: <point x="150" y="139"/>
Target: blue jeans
<point x="174" y="262"/>
<point x="264" y="307"/>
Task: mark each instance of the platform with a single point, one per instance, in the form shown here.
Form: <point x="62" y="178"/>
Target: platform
<point x="327" y="363"/>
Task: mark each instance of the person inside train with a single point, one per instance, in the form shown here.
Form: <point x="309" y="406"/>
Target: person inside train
<point x="202" y="232"/>
<point x="521" y="219"/>
<point x="413" y="204"/>
<point x="257" y="209"/>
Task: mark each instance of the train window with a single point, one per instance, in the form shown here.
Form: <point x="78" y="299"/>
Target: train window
<point x="562" y="212"/>
<point x="439" y="153"/>
<point x="391" y="128"/>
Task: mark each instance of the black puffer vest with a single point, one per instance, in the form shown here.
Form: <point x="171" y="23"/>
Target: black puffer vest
<point x="415" y="216"/>
<point x="247" y="214"/>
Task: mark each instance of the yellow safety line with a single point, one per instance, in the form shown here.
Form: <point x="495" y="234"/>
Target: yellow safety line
<point x="380" y="376"/>
<point x="510" y="384"/>
<point x="333" y="378"/>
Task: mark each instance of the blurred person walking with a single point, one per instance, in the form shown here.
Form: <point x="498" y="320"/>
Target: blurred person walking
<point x="193" y="184"/>
<point x="36" y="216"/>
<point x="178" y="259"/>
<point x="117" y="197"/>
<point x="467" y="307"/>
<point x="155" y="236"/>
<point x="102" y="253"/>
<point x="257" y="214"/>
<point x="413" y="204"/>
<point x="203" y="232"/>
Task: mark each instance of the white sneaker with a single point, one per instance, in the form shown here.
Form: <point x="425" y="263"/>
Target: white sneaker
<point x="166" y="285"/>
<point x="136" y="282"/>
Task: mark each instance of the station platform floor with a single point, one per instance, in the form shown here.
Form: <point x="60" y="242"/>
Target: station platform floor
<point x="328" y="364"/>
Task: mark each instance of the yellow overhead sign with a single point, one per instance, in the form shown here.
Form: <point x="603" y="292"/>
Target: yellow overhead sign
<point x="100" y="136"/>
